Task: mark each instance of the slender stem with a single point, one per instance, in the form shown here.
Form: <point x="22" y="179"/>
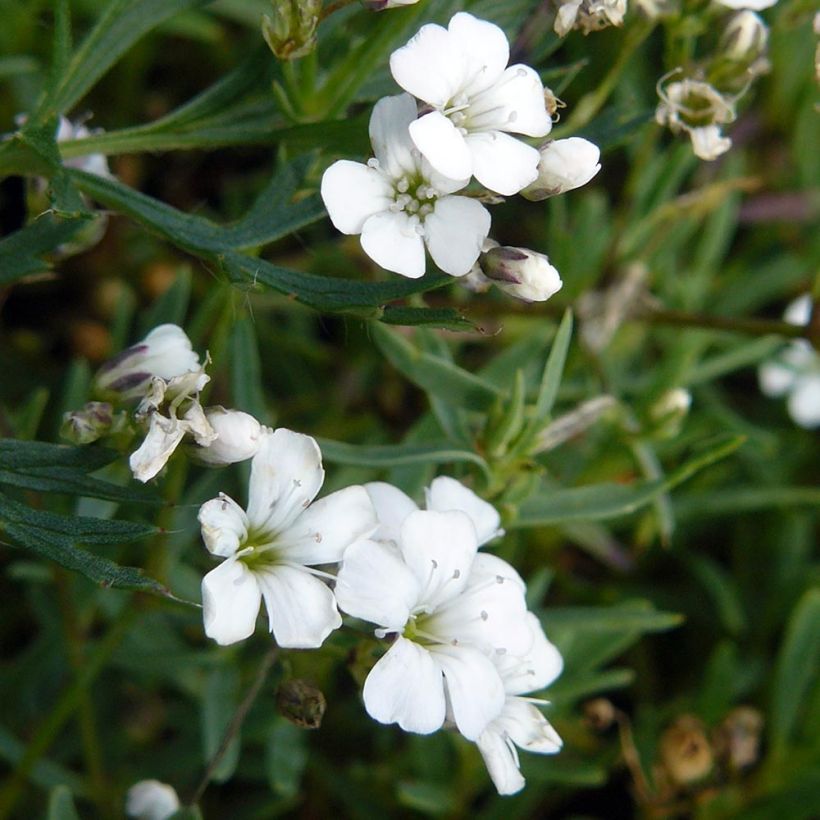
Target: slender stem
<point x="236" y="723"/>
<point x="332" y="8"/>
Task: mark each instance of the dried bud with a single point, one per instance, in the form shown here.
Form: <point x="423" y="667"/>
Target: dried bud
<point x="520" y="272"/>
<point x="381" y="5"/>
<point x="685" y="751"/>
<point x="564" y="165"/>
<point x="600" y="714"/>
<point x="745" y="37"/>
<point x="737" y="739"/>
<point x="238" y="436"/>
<point x="151" y="800"/>
<point x="291" y="30"/>
<point x="301" y="702"/>
<point x="90" y="423"/>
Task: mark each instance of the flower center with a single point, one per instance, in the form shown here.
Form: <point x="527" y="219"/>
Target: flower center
<point x="416" y="197"/>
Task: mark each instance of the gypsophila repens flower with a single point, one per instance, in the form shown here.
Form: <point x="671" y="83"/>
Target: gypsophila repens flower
<point x="588" y="15"/>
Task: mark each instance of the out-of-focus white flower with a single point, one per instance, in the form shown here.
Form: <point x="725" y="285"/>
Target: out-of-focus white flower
<point x="238" y="437"/>
<point x="754" y="5"/>
<point x="271" y="550"/>
<point x="91" y="163"/>
<point x="520" y="723"/>
<point x="449" y="609"/>
<point x="699" y="109"/>
<point x="381" y="5"/>
<point x="399" y="204"/>
<point x="588" y="15"/>
<point x="474" y="102"/>
<point x="795" y="372"/>
<point x="563" y="166"/>
<point x="745" y="37"/>
<point x="520" y="272"/>
<point x="151" y="800"/>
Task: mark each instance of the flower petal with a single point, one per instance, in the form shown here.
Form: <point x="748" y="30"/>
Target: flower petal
<point x="301" y="609"/>
<point x="484" y="48"/>
<point x="804" y="402"/>
<point x="502" y="163"/>
<point x="373" y="583"/>
<point x="474" y="688"/>
<point x="286" y="474"/>
<point x="528" y="728"/>
<point x="327" y="527"/>
<point x="391" y="240"/>
<point x="224" y="525"/>
<point x="515" y="103"/>
<point x="389" y="136"/>
<point x="455" y="232"/>
<point x="352" y="193"/>
<point x="541" y="665"/>
<point x="392" y="507"/>
<point x="163" y="437"/>
<point x="446" y="493"/>
<point x="501" y="761"/>
<point x="406" y="687"/>
<point x="230" y="602"/>
<point x="438" y="548"/>
<point x="442" y="145"/>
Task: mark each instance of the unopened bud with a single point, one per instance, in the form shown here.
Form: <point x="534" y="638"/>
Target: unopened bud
<point x="685" y="751"/>
<point x="745" y="37"/>
<point x="381" y="5"/>
<point x="522" y="273"/>
<point x="564" y="165"/>
<point x="151" y="800"/>
<point x="301" y="702"/>
<point x="88" y="424"/>
<point x="238" y="436"/>
<point x="290" y="31"/>
<point x="600" y="714"/>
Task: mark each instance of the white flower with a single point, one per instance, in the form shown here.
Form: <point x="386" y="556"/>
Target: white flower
<point x="91" y="163"/>
<point x="151" y="800"/>
<point x="461" y="73"/>
<point x="399" y="204"/>
<point x="448" y="609"/>
<point x="754" y="5"/>
<point x="563" y="166"/>
<point x="520" y="722"/>
<point x="271" y="549"/>
<point x="795" y="372"/>
<point x="745" y="37"/>
<point x="524" y="274"/>
<point x="588" y="15"/>
<point x="238" y="436"/>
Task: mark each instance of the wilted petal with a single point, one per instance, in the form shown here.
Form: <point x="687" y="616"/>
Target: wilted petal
<point x="406" y="687"/>
<point x="163" y="437"/>
<point x="392" y="241"/>
<point x="445" y="493"/>
<point x="392" y="507"/>
<point x="528" y="728"/>
<point x="286" y="474"/>
<point x="301" y="608"/>
<point x="708" y="142"/>
<point x="230" y="602"/>
<point x="502" y="163"/>
<point x="442" y="145"/>
<point x="474" y="688"/>
<point x="352" y="193"/>
<point x="501" y="761"/>
<point x="224" y="525"/>
<point x="321" y="533"/>
<point x="455" y="232"/>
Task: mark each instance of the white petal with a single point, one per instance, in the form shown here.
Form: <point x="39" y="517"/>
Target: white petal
<point x="501" y="761"/>
<point x="389" y="135"/>
<point x="455" y="232"/>
<point x="392" y="507"/>
<point x="515" y="103"/>
<point x="528" y="728"/>
<point x="442" y="145"/>
<point x="566" y="16"/>
<point x="374" y="584"/>
<point x="352" y="193"/>
<point x="151" y="800"/>
<point x="238" y="437"/>
<point x="286" y="474"/>
<point x="224" y="525"/>
<point x="429" y="67"/>
<point x="164" y="436"/>
<point x="406" y="687"/>
<point x="230" y="602"/>
<point x="439" y="548"/>
<point x="474" y="688"/>
<point x="708" y="142"/>
<point x="485" y="51"/>
<point x="301" y="608"/>
<point x="804" y="402"/>
<point x="541" y="665"/>
<point x="169" y="352"/>
<point x="799" y="311"/>
<point x="391" y="240"/>
<point x="446" y="493"/>
<point x="502" y="163"/>
<point x="198" y="425"/>
<point x="322" y="533"/>
<point x="776" y="379"/>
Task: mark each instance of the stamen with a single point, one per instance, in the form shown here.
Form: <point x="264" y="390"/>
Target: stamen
<point x="402" y="185"/>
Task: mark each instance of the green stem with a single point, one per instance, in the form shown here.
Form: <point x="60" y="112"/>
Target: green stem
<point x="332" y="8"/>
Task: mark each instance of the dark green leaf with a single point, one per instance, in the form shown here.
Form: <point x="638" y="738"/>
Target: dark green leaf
<point x="61" y="805"/>
<point x="22" y="253"/>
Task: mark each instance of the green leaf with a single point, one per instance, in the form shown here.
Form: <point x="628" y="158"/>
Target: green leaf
<point x="61" y="52"/>
<point x="286" y="757"/>
<point x="733" y="500"/>
<point x="553" y="370"/>
<point x="444" y="318"/>
<point x="631" y="616"/>
<point x="569" y="691"/>
<point x="22" y="253"/>
<point x="61" y="805"/>
<point x="219" y="701"/>
<point x="608" y="500"/>
<point x="246" y="372"/>
<point x="434" y="374"/>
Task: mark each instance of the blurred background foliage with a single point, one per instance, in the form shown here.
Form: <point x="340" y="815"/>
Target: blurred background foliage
<point x="669" y="554"/>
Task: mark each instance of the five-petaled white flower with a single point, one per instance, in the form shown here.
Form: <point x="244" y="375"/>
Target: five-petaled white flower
<point x="474" y="102"/>
<point x="399" y="204"/>
<point x="795" y="372"/>
<point x="520" y="722"/>
<point x="447" y="609"/>
<point x="271" y="550"/>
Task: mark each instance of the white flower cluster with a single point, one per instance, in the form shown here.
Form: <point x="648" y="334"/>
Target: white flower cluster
<point x="457" y="120"/>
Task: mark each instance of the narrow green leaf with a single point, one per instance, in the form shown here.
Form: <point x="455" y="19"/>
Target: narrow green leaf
<point x="733" y="500"/>
<point x="61" y="51"/>
<point x="219" y="701"/>
<point x="444" y="318"/>
<point x="23" y="455"/>
<point x="23" y="252"/>
<point x="553" y="371"/>
<point x="566" y="692"/>
<point x="61" y="805"/>
<point x="246" y="372"/>
<point x="633" y="616"/>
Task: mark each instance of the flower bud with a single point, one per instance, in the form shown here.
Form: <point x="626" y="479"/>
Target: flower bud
<point x="522" y="273"/>
<point x="745" y="37"/>
<point x="90" y="423"/>
<point x="564" y="165"/>
<point x="685" y="751"/>
<point x="151" y="800"/>
<point x="381" y="5"/>
<point x="165" y="353"/>
<point x="301" y="702"/>
<point x="669" y="411"/>
<point x="291" y="31"/>
<point x="238" y="436"/>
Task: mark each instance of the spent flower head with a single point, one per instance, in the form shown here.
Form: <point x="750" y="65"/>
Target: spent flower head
<point x="588" y="15"/>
